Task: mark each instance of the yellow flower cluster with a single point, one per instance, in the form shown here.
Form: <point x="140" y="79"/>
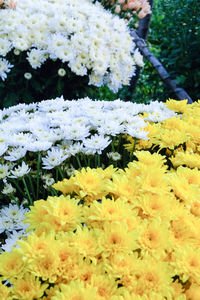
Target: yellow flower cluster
<point x="113" y="234"/>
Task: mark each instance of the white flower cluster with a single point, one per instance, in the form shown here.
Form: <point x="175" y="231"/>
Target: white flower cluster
<point x="61" y="128"/>
<point x="82" y="34"/>
<point x="11" y="223"/>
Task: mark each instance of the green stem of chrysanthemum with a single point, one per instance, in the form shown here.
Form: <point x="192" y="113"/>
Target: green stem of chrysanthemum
<point x="95" y="160"/>
<point x="14" y="199"/>
<point x="56" y="174"/>
<point x="113" y="144"/>
<point x="88" y="162"/>
<point x="53" y="192"/>
<point x="38" y="174"/>
<point x="78" y="161"/>
<point x="31" y="185"/>
<point x="18" y="187"/>
<point x="61" y="173"/>
<point x="119" y="142"/>
<point x="85" y="160"/>
<point x="98" y="160"/>
<point x="134" y="144"/>
<point x="27" y="191"/>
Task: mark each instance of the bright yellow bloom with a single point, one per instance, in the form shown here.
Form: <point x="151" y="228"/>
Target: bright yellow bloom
<point x="186" y="262"/>
<point x="154" y="205"/>
<point x="122" y="187"/>
<point x="37" y="246"/>
<point x="76" y="290"/>
<point x="91" y="184"/>
<point x="116" y="238"/>
<point x="154" y="238"/>
<point x="177" y="106"/>
<point x="61" y="214"/>
<point x="5" y="292"/>
<point x="86" y="242"/>
<point x="191" y="160"/>
<point x="193" y="292"/>
<point x="108" y="210"/>
<point x="29" y="287"/>
<point x="151" y="160"/>
<point x="182" y="189"/>
<point x="12" y="264"/>
<point x="66" y="186"/>
<point x="154" y="277"/>
<point x="106" y="286"/>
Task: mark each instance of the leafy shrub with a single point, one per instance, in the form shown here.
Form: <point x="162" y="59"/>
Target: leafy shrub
<point x="174" y="38"/>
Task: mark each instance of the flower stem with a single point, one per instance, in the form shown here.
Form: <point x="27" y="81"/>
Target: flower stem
<point x="31" y="184"/>
<point x="78" y="161"/>
<point x="61" y="173"/>
<point x="38" y="174"/>
<point x="27" y="192"/>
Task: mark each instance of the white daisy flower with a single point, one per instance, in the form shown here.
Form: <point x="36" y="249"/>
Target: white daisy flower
<point x="5" y="67"/>
<point x="20" y="171"/>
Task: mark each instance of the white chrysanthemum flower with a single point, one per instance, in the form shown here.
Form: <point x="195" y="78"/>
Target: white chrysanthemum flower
<point x="75" y="148"/>
<point x="38" y="146"/>
<point x="138" y="58"/>
<point x="75" y="132"/>
<point x="3" y="147"/>
<point x="21" y="139"/>
<point x="20" y="171"/>
<point x="4" y="171"/>
<point x="115" y="156"/>
<point x="5" y="46"/>
<point x="5" y="67"/>
<point x="54" y="158"/>
<point x="8" y="189"/>
<point x="96" y="143"/>
<point x="15" y="154"/>
<point x="12" y="240"/>
<point x="36" y="58"/>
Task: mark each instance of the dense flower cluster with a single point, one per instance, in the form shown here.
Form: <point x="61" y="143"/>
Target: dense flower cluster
<point x="89" y="39"/>
<point x="61" y="129"/>
<point x="112" y="235"/>
<point x="129" y="9"/>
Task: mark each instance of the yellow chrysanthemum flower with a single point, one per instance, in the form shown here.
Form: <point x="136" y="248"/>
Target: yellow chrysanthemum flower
<point x="108" y="210"/>
<point x="153" y="278"/>
<point x="91" y="184"/>
<point x="189" y="159"/>
<point x="5" y="292"/>
<point x="66" y="186"/>
<point x="120" y="265"/>
<point x="151" y="160"/>
<point x="154" y="205"/>
<point x="59" y="214"/>
<point x="35" y="246"/>
<point x="177" y="106"/>
<point x="12" y="264"/>
<point x="122" y="187"/>
<point x="154" y="238"/>
<point x="86" y="241"/>
<point x="29" y="287"/>
<point x="116" y="238"/>
<point x="186" y="262"/>
<point x="106" y="286"/>
<point x="184" y="229"/>
<point x="76" y="290"/>
<point x="182" y="189"/>
<point x="169" y="138"/>
<point x="193" y="293"/>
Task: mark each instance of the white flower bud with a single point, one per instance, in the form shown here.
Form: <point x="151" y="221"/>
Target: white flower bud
<point x="61" y="72"/>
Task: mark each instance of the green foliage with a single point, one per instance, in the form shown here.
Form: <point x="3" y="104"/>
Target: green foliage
<point x="174" y="38"/>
